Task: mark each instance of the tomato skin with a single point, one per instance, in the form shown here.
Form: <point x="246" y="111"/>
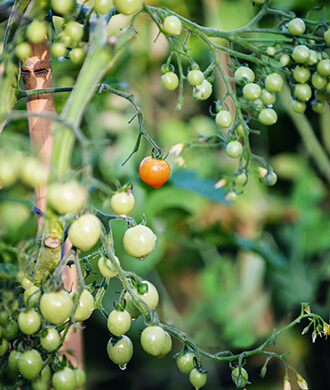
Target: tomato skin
<point x="153" y="339"/>
<point x="128" y="7"/>
<point x="102" y="6"/>
<point x="268" y="116"/>
<point x="170" y="81"/>
<point x="167" y="347"/>
<point x="186" y="362"/>
<point x="85" y="306"/>
<point x="42" y="382"/>
<point x="23" y="50"/>
<point x="301" y="74"/>
<point x="63" y="7"/>
<point x="240" y="378"/>
<point x="13" y="360"/>
<point x="29" y="322"/>
<point x="323" y="67"/>
<point x="252" y="91"/>
<point x="51" y="340"/>
<point x="120" y="351"/>
<point x="224" y="119"/>
<point x="234" y="149"/>
<point x="36" y="31"/>
<point x="172" y="25"/>
<point x="119" y="322"/>
<point x="80" y="377"/>
<point x="195" y="77"/>
<point x="303" y="92"/>
<point x="244" y="73"/>
<point x="139" y="241"/>
<point x="154" y="171"/>
<point x="85" y="231"/>
<point x="56" y="307"/>
<point x="122" y="202"/>
<point x="197" y="378"/>
<point x="301" y="54"/>
<point x="298" y="106"/>
<point x="274" y="82"/>
<point x="30" y="364"/>
<point x="203" y="91"/>
<point x="296" y="26"/>
<point x="105" y="267"/>
<point x="3" y="347"/>
<point x="67" y="197"/>
<point x="150" y="297"/>
<point x="64" y="379"/>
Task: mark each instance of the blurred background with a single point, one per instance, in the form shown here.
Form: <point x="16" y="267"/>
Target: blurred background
<point x="227" y="274"/>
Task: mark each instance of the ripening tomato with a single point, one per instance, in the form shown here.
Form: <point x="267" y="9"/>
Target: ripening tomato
<point x="154" y="171"/>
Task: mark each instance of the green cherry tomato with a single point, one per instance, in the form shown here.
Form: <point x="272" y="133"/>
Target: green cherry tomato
<point x="170" y="81"/>
<point x="285" y="59"/>
<point x="319" y="81"/>
<point x="31" y="296"/>
<point x="224" y="119"/>
<point x="195" y="77"/>
<point x="36" y="31"/>
<point x="150" y="297"/>
<point x="301" y="54"/>
<point x="26" y="282"/>
<point x="3" y="346"/>
<point x="58" y="49"/>
<point x="243" y="73"/>
<point x="319" y="107"/>
<point x="322" y="95"/>
<point x="122" y="202"/>
<point x="63" y="7"/>
<point x="119" y="322"/>
<point x="241" y="178"/>
<point x="234" y="149"/>
<point x="23" y="50"/>
<point x="42" y="382"/>
<point x="252" y="91"/>
<point x="268" y="116"/>
<point x="167" y="347"/>
<point x="139" y="241"/>
<point x="102" y="6"/>
<point x="274" y="82"/>
<point x="4" y="317"/>
<point x="203" y="91"/>
<point x="30" y="364"/>
<point x="51" y="340"/>
<point x="29" y="322"/>
<point x="296" y="26"/>
<point x="268" y="98"/>
<point x="172" y="25"/>
<point x="74" y="30"/>
<point x="85" y="306"/>
<point x="232" y="196"/>
<point x="270" y="178"/>
<point x="327" y="36"/>
<point x="56" y="307"/>
<point x="76" y="55"/>
<point x="271" y="51"/>
<point x="64" y="379"/>
<point x="301" y="74"/>
<point x="240" y="130"/>
<point x="186" y="362"/>
<point x="10" y="330"/>
<point x="153" y="339"/>
<point x="80" y="377"/>
<point x="13" y="360"/>
<point x="240" y="377"/>
<point x="298" y="106"/>
<point x="67" y="197"/>
<point x="106" y="268"/>
<point x="120" y="350"/>
<point x="128" y="7"/>
<point x="323" y="67"/>
<point x="85" y="232"/>
<point x="313" y="57"/>
<point x="197" y="378"/>
<point x="303" y="92"/>
<point x="33" y="172"/>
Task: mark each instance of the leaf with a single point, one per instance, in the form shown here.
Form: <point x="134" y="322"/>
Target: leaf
<point x="205" y="187"/>
<point x="8" y="271"/>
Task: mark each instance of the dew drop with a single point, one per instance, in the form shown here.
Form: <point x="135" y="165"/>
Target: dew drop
<point x="123" y="366"/>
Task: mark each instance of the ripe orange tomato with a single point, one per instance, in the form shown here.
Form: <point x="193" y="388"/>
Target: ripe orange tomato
<point x="154" y="171"/>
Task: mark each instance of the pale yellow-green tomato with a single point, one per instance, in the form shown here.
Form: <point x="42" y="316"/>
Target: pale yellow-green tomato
<point x="67" y="197"/>
<point x="203" y="91"/>
<point x="106" y="268"/>
<point x="119" y="322"/>
<point x="128" y="7"/>
<point x="167" y="347"/>
<point x="172" y="25"/>
<point x="122" y="202"/>
<point x="56" y="307"/>
<point x="150" y="297"/>
<point x="85" y="306"/>
<point x="139" y="241"/>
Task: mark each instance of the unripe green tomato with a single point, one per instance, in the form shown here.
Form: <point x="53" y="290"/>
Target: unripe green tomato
<point x="65" y="39"/>
<point x="67" y="197"/>
<point x="268" y="116"/>
<point x="64" y="379"/>
<point x="85" y="232"/>
<point x="122" y="202"/>
<point x="153" y="340"/>
<point x="58" y="49"/>
<point x="240" y="377"/>
<point x="303" y="92"/>
<point x="51" y="340"/>
<point x="195" y="77"/>
<point x="42" y="382"/>
<point x="301" y="74"/>
<point x="243" y="73"/>
<point x="170" y="81"/>
<point x="270" y="178"/>
<point x="234" y="149"/>
<point x="85" y="306"/>
<point x="80" y="377"/>
<point x="102" y="6"/>
<point x="119" y="322"/>
<point x="10" y="330"/>
<point x="36" y="31"/>
<point x="240" y="130"/>
<point x="319" y="107"/>
<point x="241" y="178"/>
<point x="322" y="95"/>
<point x="258" y="103"/>
<point x="23" y="50"/>
<point x="224" y="119"/>
<point x="323" y="67"/>
<point x="127" y="7"/>
<point x="150" y="297"/>
<point x="296" y="26"/>
<point x="75" y="30"/>
<point x="285" y="59"/>
<point x="327" y="88"/>
<point x="120" y="351"/>
<point x="271" y="50"/>
<point x="4" y="317"/>
<point x="139" y="241"/>
<point x="77" y="55"/>
<point x="63" y="7"/>
<point x="30" y="364"/>
<point x="197" y="378"/>
<point x="3" y="346"/>
<point x="33" y="172"/>
<point x="13" y="360"/>
<point x="274" y="82"/>
<point x="172" y="25"/>
<point x="186" y="362"/>
<point x="106" y="268"/>
<point x="232" y="196"/>
<point x="268" y="98"/>
<point x="327" y="36"/>
<point x="26" y="282"/>
<point x="301" y="54"/>
<point x="167" y="347"/>
<point x="31" y="296"/>
<point x="203" y="91"/>
<point x="313" y="57"/>
<point x="56" y="307"/>
<point x="298" y="106"/>
<point x="319" y="81"/>
<point x="29" y="322"/>
<point x="252" y="91"/>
